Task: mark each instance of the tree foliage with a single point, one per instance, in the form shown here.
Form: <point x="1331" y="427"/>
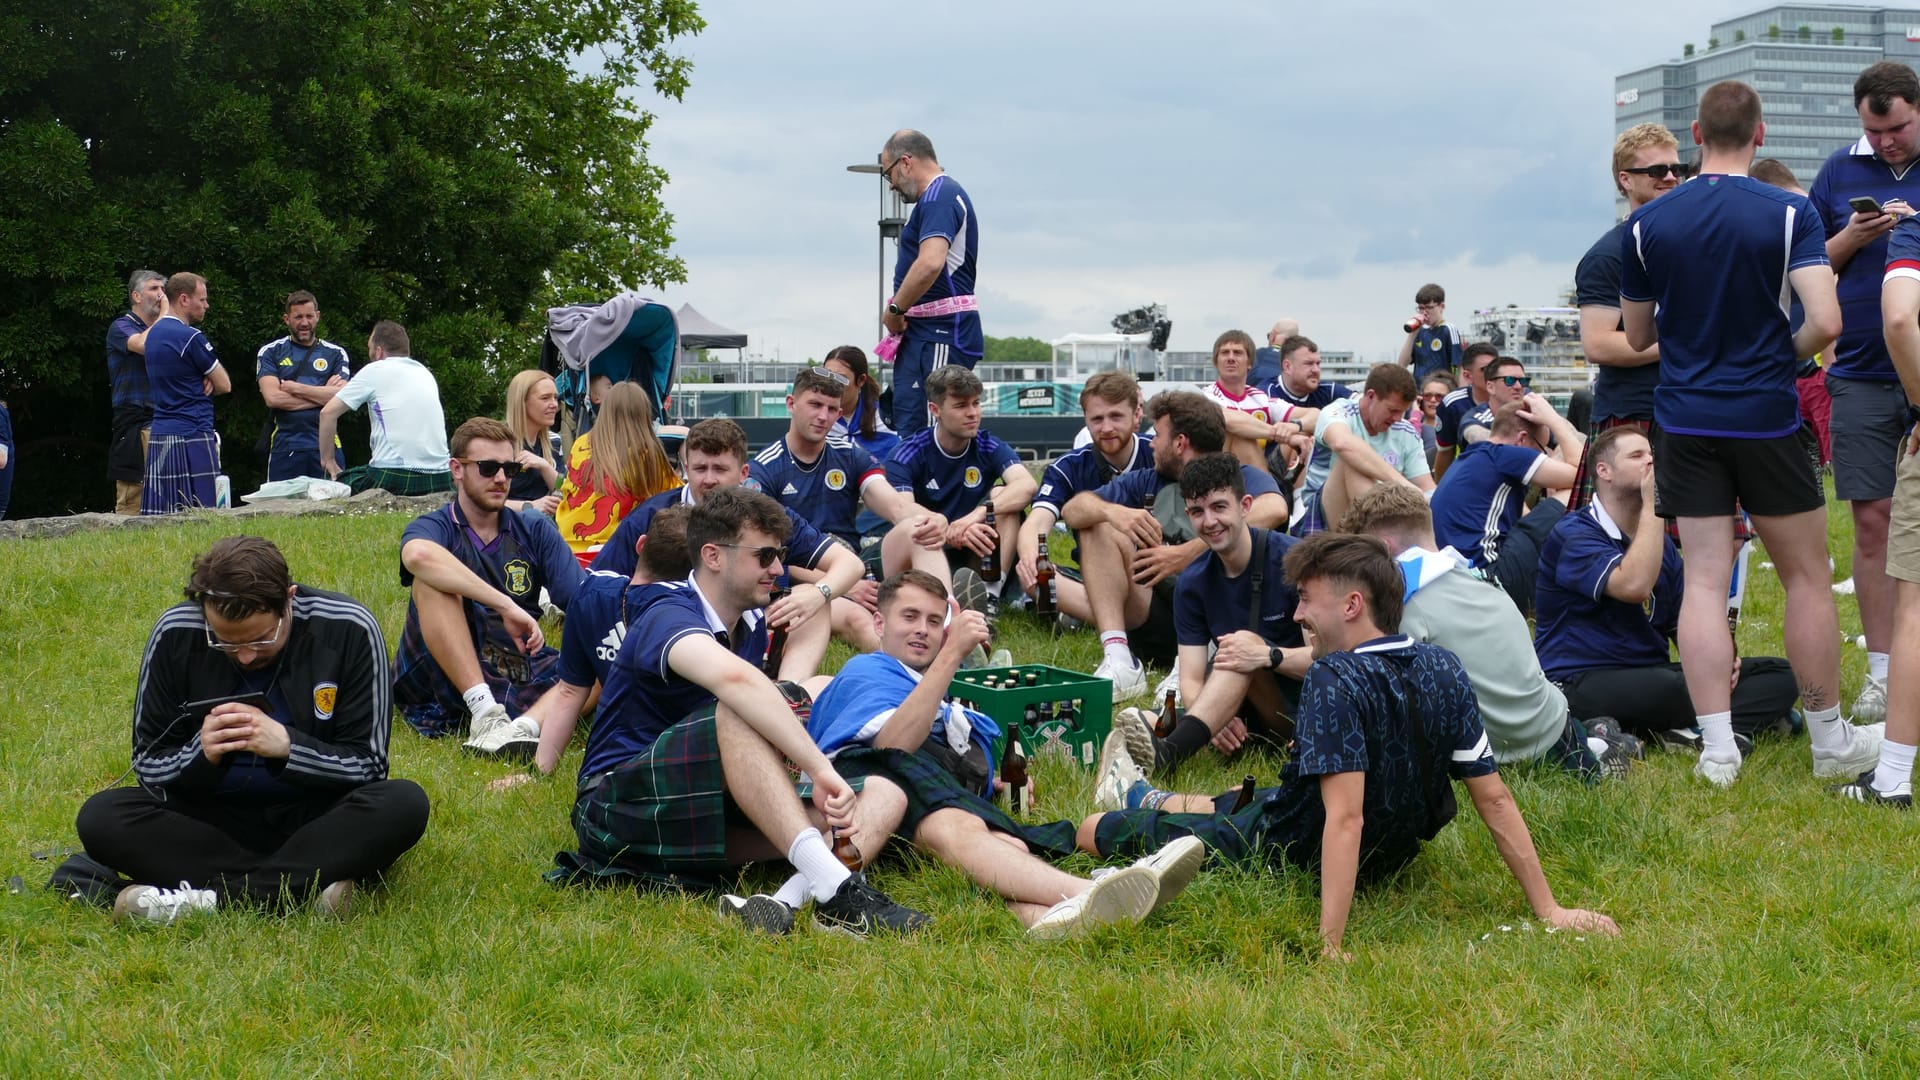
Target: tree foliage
<point x="457" y="165"/>
<point x="1018" y="350"/>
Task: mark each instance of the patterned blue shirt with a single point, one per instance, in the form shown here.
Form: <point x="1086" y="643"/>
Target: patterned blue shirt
<point x="126" y="369"/>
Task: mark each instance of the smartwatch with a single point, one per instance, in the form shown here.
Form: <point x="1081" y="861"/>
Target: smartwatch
<point x="894" y="309"/>
<point x="1276" y="656"/>
<point x="826" y="591"/>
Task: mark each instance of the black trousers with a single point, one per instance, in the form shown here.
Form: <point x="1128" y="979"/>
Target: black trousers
<point x="263" y="854"/>
<point x="1655" y="698"/>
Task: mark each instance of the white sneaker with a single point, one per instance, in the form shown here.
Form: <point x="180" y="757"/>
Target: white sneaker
<point x="1862" y="753"/>
<point x="1124" y="896"/>
<point x="154" y="904"/>
<point x="1128" y="683"/>
<point x="1170" y="683"/>
<point x="1116" y="774"/>
<point x="493" y="716"/>
<point x="1136" y="726"/>
<point x="513" y="740"/>
<point x="1719" y="773"/>
<point x="1174" y="867"/>
<point x="1843" y="588"/>
<point x="1871" y="705"/>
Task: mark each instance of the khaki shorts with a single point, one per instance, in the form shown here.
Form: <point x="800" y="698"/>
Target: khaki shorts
<point x="1903" y="530"/>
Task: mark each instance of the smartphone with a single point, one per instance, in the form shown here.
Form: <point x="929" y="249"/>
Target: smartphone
<point x="1865" y="204"/>
<point x="199" y="709"/>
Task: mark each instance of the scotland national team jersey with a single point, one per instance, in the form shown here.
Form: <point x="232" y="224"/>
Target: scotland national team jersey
<point x="596" y="625"/>
<point x="1481" y="498"/>
<point x="1208" y="604"/>
<point x="1578" y="626"/>
<point x="642" y="697"/>
<point x="945" y="211"/>
<point x="1147" y="489"/>
<point x="949" y="485"/>
<point x="825" y="492"/>
<point x="1086" y="469"/>
<point x="178" y="357"/>
<point x="1850" y="172"/>
<point x="1713" y="254"/>
<point x="806" y="545"/>
<point x="1458" y="412"/>
<point x="1435" y="348"/>
<point x="1322" y="396"/>
<point x="1355" y="708"/>
<point x="311" y="365"/>
<point x="1622" y="393"/>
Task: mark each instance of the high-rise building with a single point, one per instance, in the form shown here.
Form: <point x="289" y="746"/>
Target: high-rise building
<point x="1801" y="58"/>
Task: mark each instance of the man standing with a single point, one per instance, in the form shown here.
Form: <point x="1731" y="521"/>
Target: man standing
<point x="1360" y="442"/>
<point x="1385" y="723"/>
<point x="1869" y="410"/>
<point x="132" y="395"/>
<point x="932" y="307"/>
<point x="409" y="429"/>
<point x="183" y="456"/>
<point x="1477" y="509"/>
<point x="1701" y="273"/>
<point x="475" y="571"/>
<point x="260" y="742"/>
<point x="1646" y="165"/>
<point x="299" y="374"/>
<point x="1432" y="345"/>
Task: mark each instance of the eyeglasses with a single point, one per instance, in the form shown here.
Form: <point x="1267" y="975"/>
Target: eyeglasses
<point x="1432" y="397"/>
<point x="490" y="469"/>
<point x="231" y="647"/>
<point x="766" y="555"/>
<point x="887" y="173"/>
<point x="1515" y="380"/>
<point x="1662" y="171"/>
<point x="828" y="373"/>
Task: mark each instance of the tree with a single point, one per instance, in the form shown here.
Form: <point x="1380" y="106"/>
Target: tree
<point x="1805" y="33"/>
<point x="1018" y="350"/>
<point x="451" y="164"/>
<point x="1839" y="35"/>
<point x="1739" y="36"/>
<point x="1773" y="31"/>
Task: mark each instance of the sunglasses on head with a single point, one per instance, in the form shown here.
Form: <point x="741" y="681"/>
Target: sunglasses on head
<point x="839" y="379"/>
<point x="491" y="469"/>
<point x="1515" y="380"/>
<point x="766" y="555"/>
<point x="1662" y="171"/>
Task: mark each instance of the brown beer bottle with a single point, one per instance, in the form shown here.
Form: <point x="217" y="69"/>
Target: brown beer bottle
<point x="1163" y="726"/>
<point x="1013" y="771"/>
<point x="990" y="562"/>
<point x="1043" y="598"/>
<point x="1246" y="795"/>
<point x="845" y="850"/>
<point x="777" y="641"/>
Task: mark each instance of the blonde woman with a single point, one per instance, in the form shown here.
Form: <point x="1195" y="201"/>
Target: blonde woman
<point x="533" y="404"/>
<point x="611" y="470"/>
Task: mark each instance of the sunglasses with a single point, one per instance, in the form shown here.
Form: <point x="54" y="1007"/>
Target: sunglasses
<point x="1515" y="380"/>
<point x="766" y="555"/>
<point x="491" y="469"/>
<point x="1661" y="172"/>
<point x="828" y="373"/>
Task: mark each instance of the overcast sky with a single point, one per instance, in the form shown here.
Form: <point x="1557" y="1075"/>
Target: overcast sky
<point x="1234" y="161"/>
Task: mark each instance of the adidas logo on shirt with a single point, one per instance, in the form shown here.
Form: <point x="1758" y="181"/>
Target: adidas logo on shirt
<point x="790" y="490"/>
<point x="932" y="484"/>
<point x="609" y="648"/>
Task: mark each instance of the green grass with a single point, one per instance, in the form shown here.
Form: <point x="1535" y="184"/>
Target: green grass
<point x="1767" y="930"/>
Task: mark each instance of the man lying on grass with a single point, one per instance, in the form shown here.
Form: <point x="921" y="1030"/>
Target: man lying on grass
<point x="1383" y="722"/>
<point x="886" y="715"/>
<point x="684" y="775"/>
<point x="260" y="742"/>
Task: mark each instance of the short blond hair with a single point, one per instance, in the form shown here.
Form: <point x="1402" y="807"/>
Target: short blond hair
<point x="1633" y="140"/>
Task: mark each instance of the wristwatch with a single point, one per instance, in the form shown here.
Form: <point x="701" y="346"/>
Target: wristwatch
<point x="894" y="309"/>
<point x="826" y="591"/>
<point x="1276" y="656"/>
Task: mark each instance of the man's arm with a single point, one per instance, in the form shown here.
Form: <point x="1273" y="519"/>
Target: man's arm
<point x="1637" y="315"/>
<point x="362" y="715"/>
<point x="1633" y="580"/>
<point x="1016" y="490"/>
<point x="1494" y="803"/>
<point x="1406" y="349"/>
<point x="1269" y="511"/>
<point x="328" y="422"/>
<point x="1442" y="459"/>
<point x="1193" y="672"/>
<point x="1360" y="457"/>
<point x="912" y="719"/>
<point x="926" y="266"/>
<point x="1860" y="230"/>
<point x="278" y="394"/>
<point x="1032" y="537"/>
<point x="166" y="741"/>
<point x="434" y="565"/>
<point x="749" y="695"/>
<point x="558" y="713"/>
<point x="1342" y="794"/>
<point x="1814" y="285"/>
<point x="1606" y="344"/>
<point x="1246" y="426"/>
<point x="1900" y="314"/>
<point x="218" y="381"/>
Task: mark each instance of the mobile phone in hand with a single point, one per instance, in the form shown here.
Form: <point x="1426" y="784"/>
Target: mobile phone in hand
<point x="1865" y="204"/>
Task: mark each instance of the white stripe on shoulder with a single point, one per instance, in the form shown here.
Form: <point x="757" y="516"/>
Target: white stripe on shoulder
<point x="275" y="343"/>
<point x="771" y="452"/>
<point x="1478" y="750"/>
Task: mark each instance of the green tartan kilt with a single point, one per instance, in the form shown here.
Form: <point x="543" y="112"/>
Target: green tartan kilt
<point x="930" y="787"/>
<point x="397" y="481"/>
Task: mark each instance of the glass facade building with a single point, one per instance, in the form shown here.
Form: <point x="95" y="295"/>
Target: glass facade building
<point x="1801" y="58"/>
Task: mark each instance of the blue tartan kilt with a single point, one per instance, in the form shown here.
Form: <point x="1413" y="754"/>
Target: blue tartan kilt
<point x="180" y="473"/>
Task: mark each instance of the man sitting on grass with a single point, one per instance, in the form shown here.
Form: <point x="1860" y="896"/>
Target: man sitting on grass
<point x="260" y="742"/>
<point x="475" y="571"/>
<point x="1384" y="724"/>
<point x="685" y="775"/>
<point x="886" y="714"/>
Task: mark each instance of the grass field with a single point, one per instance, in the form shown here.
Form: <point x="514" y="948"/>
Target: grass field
<point x="1767" y="930"/>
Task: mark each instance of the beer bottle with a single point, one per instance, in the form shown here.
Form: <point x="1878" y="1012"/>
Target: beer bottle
<point x="1043" y="598"/>
<point x="845" y="850"/>
<point x="990" y="562"/>
<point x="1163" y="726"/>
<point x="1246" y="795"/>
<point x="1013" y="771"/>
<point x="777" y="641"/>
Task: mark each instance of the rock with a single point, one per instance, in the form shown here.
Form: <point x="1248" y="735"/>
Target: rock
<point x="374" y="501"/>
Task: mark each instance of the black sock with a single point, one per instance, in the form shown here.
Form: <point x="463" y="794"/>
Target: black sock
<point x="1189" y="735"/>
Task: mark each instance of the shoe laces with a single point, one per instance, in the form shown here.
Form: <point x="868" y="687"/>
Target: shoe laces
<point x="171" y="902"/>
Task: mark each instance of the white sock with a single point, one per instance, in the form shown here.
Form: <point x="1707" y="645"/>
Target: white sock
<point x="1118" y="655"/>
<point x="1877" y="667"/>
<point x="994" y="587"/>
<point x="810" y="855"/>
<point x="479" y="699"/>
<point x="1895" y="770"/>
<point x="1716" y="737"/>
<point x="1826" y="731"/>
<point x="794" y="892"/>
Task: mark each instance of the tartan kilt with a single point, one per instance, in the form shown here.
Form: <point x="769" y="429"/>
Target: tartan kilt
<point x="1240" y="839"/>
<point x="180" y="473"/>
<point x="661" y="817"/>
<point x="930" y="787"/>
<point x="397" y="481"/>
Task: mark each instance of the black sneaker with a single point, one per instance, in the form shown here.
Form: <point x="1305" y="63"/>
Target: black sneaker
<point x="1622" y="749"/>
<point x="758" y="912"/>
<point x="859" y="910"/>
<point x="1689" y="740"/>
<point x="1861" y="790"/>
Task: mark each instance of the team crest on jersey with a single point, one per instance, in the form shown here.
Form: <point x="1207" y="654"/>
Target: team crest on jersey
<point x="836" y="479"/>
<point x="319" y="363"/>
<point x="1434" y="344"/>
<point x="324" y="696"/>
<point x="973" y="476"/>
<point x="519" y="577"/>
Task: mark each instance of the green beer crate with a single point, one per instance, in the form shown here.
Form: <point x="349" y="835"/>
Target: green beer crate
<point x="1059" y="728"/>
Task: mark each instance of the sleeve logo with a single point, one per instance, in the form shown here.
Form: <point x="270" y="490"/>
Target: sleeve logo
<point x="324" y="695"/>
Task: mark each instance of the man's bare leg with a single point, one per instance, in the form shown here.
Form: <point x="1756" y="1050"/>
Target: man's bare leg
<point x="898" y="552"/>
<point x="807" y="647"/>
<point x="1106" y="563"/>
<point x="996" y="862"/>
<point x="1873" y="590"/>
<point x="443" y="626"/>
<point x="853" y="624"/>
<point x="1706" y="645"/>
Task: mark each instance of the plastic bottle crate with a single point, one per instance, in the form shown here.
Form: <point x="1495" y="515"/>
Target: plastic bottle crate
<point x="1077" y="739"/>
